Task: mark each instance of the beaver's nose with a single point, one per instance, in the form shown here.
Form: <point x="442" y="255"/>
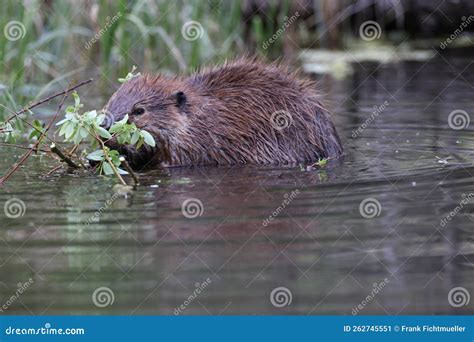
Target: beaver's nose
<point x="108" y="120"/>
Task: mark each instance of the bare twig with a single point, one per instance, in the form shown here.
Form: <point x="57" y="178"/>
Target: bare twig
<point x="25" y="157"/>
<point x="49" y="98"/>
<point x="56" y="168"/>
<point x="22" y="147"/>
<point x="130" y="171"/>
<point x="63" y="157"/>
<point x="106" y="155"/>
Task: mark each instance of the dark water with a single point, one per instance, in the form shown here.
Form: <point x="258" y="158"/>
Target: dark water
<point x="408" y="162"/>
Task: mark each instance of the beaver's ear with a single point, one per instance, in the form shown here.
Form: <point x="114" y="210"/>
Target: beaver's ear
<point x="180" y="99"/>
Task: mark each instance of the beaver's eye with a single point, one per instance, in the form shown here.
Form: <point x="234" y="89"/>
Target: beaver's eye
<point x="138" y="111"/>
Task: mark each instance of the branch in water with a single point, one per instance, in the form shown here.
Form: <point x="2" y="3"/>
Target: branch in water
<point x="63" y="157"/>
<point x="130" y="171"/>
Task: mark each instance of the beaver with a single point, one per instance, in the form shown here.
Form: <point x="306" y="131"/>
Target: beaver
<point x="242" y="112"/>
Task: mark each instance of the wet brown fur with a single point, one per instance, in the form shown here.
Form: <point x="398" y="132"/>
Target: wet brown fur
<point x="226" y="117"/>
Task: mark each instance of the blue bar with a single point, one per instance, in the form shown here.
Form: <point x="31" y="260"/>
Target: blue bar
<point x="238" y="328"/>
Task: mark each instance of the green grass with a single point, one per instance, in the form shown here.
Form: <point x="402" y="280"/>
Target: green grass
<point x="147" y="33"/>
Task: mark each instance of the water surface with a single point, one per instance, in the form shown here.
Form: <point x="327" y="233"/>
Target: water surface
<point x="318" y="245"/>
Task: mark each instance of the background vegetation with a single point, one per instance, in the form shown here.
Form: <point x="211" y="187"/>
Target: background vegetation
<point x="58" y="40"/>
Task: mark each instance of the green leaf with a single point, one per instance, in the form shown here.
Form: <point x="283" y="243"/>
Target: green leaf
<point x="130" y="75"/>
<point x="96" y="155"/>
<point x="148" y="138"/>
<point x="77" y="136"/>
<point x="62" y="121"/>
<point x="77" y="99"/>
<point x="115" y="127"/>
<point x="122" y="172"/>
<point x="63" y="128"/>
<point x="135" y="137"/>
<point x="121" y="139"/>
<point x="124" y="120"/>
<point x="99" y="119"/>
<point x="83" y="132"/>
<point x="69" y="130"/>
<point x="103" y="132"/>
<point x="90" y="115"/>
<point x="38" y="129"/>
<point x="107" y="168"/>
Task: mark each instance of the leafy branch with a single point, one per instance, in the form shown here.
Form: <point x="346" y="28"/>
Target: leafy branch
<point x="83" y="130"/>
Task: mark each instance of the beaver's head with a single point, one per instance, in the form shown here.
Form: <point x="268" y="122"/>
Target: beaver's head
<point x="156" y="104"/>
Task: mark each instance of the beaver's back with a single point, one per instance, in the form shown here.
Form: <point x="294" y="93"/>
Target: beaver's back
<point x="256" y="113"/>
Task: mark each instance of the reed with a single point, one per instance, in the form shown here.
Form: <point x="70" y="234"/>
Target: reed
<point x="61" y="41"/>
